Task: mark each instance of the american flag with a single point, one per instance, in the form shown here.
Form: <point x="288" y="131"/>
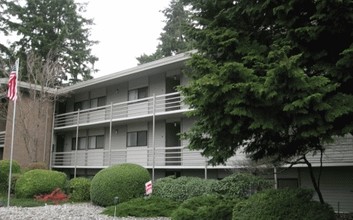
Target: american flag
<point x="12" y="87"/>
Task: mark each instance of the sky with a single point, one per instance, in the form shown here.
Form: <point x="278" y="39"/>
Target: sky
<point x="125" y="30"/>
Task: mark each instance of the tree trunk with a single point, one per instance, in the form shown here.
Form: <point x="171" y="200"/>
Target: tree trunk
<point x="315" y="183"/>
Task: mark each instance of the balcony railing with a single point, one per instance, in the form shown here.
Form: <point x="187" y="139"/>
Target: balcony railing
<point x="145" y="107"/>
<point x="2" y="138"/>
<point x="161" y="157"/>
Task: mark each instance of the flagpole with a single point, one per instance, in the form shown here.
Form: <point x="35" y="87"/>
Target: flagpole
<point x="12" y="137"/>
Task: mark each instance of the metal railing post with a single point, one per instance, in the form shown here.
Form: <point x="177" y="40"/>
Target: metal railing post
<point x="110" y="133"/>
<point x="76" y="147"/>
<point x="206" y="168"/>
<point x="153" y="136"/>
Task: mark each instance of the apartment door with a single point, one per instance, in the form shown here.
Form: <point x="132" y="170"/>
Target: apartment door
<point x="173" y="155"/>
<point x="172" y="101"/>
<point x="60" y="143"/>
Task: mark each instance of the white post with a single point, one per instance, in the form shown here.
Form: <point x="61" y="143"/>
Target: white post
<point x="76" y="147"/>
<point x="110" y="133"/>
<point x="45" y="134"/>
<point x="206" y="168"/>
<point x="153" y="135"/>
<point x="12" y="136"/>
<point x="52" y="137"/>
<point x="275" y="177"/>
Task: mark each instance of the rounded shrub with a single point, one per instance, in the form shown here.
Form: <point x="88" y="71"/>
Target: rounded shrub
<point x="211" y="207"/>
<point x="125" y="181"/>
<point x="181" y="188"/>
<point x="240" y="185"/>
<point x="36" y="182"/>
<point x="288" y="204"/>
<point x="4" y="173"/>
<point x="79" y="189"/>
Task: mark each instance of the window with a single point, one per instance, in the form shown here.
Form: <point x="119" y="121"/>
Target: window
<point x="82" y="143"/>
<point x="137" y="138"/>
<point x="92" y="103"/>
<point x="136" y="94"/>
<point x="96" y="142"/>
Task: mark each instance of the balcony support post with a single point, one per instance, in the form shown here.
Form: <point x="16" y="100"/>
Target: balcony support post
<point x="76" y="147"/>
<point x="206" y="168"/>
<point x="110" y="134"/>
<point x="52" y="138"/>
<point x="153" y="135"/>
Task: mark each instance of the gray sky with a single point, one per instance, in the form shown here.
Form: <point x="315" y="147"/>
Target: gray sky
<point x="125" y="30"/>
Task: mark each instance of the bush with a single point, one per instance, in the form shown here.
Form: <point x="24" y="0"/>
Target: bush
<point x="79" y="189"/>
<point x="125" y="181"/>
<point x="37" y="182"/>
<point x="36" y="166"/>
<point x="209" y="207"/>
<point x="141" y="207"/>
<point x="4" y="173"/>
<point x="181" y="188"/>
<point x="240" y="185"/>
<point x="288" y="204"/>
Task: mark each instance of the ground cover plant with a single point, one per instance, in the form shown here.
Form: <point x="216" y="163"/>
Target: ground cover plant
<point x="290" y="204"/>
<point x="144" y="207"/>
<point x="126" y="181"/>
<point x="210" y="207"/>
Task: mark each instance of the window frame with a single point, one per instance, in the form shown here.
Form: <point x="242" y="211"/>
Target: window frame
<point x="139" y="91"/>
<point x="138" y="144"/>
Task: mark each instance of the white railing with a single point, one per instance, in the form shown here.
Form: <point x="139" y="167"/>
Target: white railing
<point x="123" y="110"/>
<point x="164" y="157"/>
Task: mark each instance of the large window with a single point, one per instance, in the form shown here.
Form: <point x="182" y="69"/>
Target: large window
<point x="92" y="103"/>
<point x="136" y="94"/>
<point x="137" y="138"/>
<point x="91" y="142"/>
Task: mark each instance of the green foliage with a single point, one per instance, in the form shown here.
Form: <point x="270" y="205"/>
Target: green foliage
<point x="210" y="207"/>
<point x="268" y="79"/>
<point x="240" y="185"/>
<point x="173" y="39"/>
<point x="50" y="27"/>
<point x="36" y="182"/>
<point x="144" y="207"/>
<point x="80" y="189"/>
<point x="283" y="204"/>
<point x="125" y="181"/>
<point x="181" y="188"/>
<point x="4" y="173"/>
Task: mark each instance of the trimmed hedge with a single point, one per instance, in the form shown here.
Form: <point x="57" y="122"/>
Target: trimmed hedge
<point x="4" y="173"/>
<point x="36" y="182"/>
<point x="210" y="207"/>
<point x="79" y="189"/>
<point x="182" y="188"/>
<point x="125" y="181"/>
<point x="144" y="207"/>
<point x="288" y="204"/>
<point x="240" y="185"/>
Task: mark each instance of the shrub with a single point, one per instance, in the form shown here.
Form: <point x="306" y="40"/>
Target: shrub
<point x="125" y="181"/>
<point x="211" y="207"/>
<point x="240" y="185"/>
<point x="181" y="188"/>
<point x="36" y="166"/>
<point x="288" y="204"/>
<point x="37" y="182"/>
<point x="4" y="173"/>
<point x="141" y="207"/>
<point x="56" y="196"/>
<point x="79" y="189"/>
<point x="14" y="179"/>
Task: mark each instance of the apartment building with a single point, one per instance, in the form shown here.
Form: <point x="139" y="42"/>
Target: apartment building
<point x="136" y="116"/>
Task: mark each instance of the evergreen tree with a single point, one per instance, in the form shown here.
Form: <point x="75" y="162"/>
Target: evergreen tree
<point x="173" y="38"/>
<point x="274" y="77"/>
<point x="50" y="27"/>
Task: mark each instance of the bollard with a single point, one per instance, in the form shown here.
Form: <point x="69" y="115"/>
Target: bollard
<point x="116" y="202"/>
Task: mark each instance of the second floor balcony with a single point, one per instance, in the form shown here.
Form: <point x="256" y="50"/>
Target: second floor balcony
<point x="160" y="105"/>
